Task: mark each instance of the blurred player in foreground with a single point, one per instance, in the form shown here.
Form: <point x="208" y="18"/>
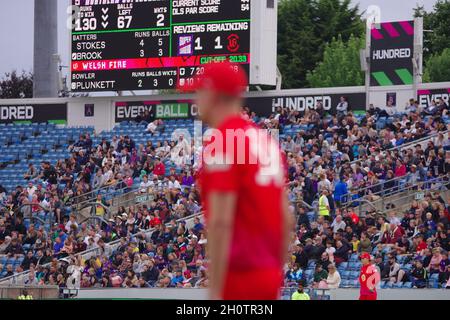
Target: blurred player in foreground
<point x="242" y="186"/>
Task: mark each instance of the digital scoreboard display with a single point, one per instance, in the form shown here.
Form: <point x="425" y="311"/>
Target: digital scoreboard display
<point x="120" y="45"/>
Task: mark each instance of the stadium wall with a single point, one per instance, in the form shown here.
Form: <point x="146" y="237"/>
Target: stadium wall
<point x="200" y="294"/>
<point x="104" y="108"/>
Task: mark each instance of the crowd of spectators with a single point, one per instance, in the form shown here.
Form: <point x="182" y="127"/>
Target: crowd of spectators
<point x="409" y="248"/>
<point x="335" y="158"/>
<point x="93" y="172"/>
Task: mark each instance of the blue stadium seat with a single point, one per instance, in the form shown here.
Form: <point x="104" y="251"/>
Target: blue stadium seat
<point x="309" y="274"/>
<point x="407" y="285"/>
<point x="406" y="267"/>
<point x="345" y="275"/>
<point x="353" y="258"/>
<point x="343" y="265"/>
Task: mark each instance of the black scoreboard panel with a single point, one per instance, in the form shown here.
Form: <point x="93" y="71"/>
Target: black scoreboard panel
<point x="120" y="45"/>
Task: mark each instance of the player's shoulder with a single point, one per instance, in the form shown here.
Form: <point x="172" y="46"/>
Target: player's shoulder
<point x="237" y="122"/>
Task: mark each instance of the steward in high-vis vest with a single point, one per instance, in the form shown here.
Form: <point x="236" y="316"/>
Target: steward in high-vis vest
<point x="25" y="296"/>
<point x="324" y="204"/>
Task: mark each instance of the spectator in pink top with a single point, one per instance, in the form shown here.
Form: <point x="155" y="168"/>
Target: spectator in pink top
<point x="434" y="266"/>
<point x="400" y="169"/>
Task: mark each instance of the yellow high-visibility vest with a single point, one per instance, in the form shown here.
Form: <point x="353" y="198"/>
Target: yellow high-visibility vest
<point x="300" y="296"/>
<point x="323" y="209"/>
<point x="28" y="297"/>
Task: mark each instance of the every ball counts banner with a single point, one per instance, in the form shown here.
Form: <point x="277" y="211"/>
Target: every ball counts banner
<point x="262" y="106"/>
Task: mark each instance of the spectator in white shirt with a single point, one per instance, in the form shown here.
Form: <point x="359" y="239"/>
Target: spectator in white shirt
<point x="174" y="184"/>
<point x="151" y="128"/>
<point x="31" y="189"/>
<point x="338" y="224"/>
<point x="391" y="109"/>
<point x="145" y="184"/>
<point x="342" y="107"/>
<point x="72" y="221"/>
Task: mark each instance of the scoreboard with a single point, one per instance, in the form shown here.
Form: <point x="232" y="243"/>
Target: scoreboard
<point x="120" y="45"/>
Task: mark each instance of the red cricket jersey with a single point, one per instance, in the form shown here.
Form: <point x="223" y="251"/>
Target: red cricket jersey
<point x="257" y="233"/>
<point x="368" y="280"/>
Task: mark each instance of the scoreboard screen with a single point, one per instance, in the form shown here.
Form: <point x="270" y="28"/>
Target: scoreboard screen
<point x="120" y="45"/>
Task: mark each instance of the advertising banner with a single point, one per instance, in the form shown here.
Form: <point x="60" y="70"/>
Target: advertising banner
<point x="426" y="96"/>
<point x="128" y="111"/>
<point x="32" y="113"/>
<point x="391" y="54"/>
<point x="263" y="106"/>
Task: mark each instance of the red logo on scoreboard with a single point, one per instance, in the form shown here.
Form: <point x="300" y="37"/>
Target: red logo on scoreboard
<point x="233" y="43"/>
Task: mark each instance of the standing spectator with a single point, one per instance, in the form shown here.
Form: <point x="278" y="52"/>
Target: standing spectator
<point x="300" y="294"/>
<point x="342" y="107"/>
<point x="324" y="205"/>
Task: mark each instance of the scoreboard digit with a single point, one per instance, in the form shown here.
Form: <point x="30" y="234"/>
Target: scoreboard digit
<point x="155" y="44"/>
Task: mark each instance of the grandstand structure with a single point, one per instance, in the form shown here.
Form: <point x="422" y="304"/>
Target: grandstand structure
<point x="34" y="143"/>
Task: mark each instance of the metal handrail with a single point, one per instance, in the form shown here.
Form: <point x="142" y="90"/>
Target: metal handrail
<point x="419" y="185"/>
<point x="95" y="250"/>
<point x="90" y="195"/>
<point x="386" y="192"/>
<point x="19" y="209"/>
<point x="93" y="215"/>
<point x="446" y="185"/>
<point x="414" y="142"/>
<point x="378" y="185"/>
<point x="406" y="145"/>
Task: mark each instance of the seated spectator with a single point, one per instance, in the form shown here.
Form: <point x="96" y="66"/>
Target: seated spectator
<point x="432" y="109"/>
<point x="334" y="278"/>
<point x="435" y="262"/>
<point x="28" y="260"/>
<point x="338" y="224"/>
<point x="396" y="274"/>
<point x="419" y="275"/>
<point x="294" y="274"/>
<point x="152" y="126"/>
<point x="31" y="173"/>
<point x="330" y="250"/>
<point x="341" y="254"/>
<point x="393" y="235"/>
<point x="301" y="257"/>
<point x="320" y="277"/>
<point x="365" y="245"/>
<point x="14" y="249"/>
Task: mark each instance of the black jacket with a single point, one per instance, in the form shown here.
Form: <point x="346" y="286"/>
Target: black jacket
<point x="151" y="274"/>
<point x="301" y="259"/>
